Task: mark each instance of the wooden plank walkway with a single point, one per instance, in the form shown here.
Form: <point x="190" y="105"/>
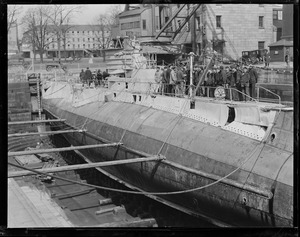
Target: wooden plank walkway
<point x="29" y="207"/>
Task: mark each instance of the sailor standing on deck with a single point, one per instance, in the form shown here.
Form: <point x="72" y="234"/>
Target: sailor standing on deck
<point x="173" y="80"/>
<point x="180" y="81"/>
<point x="157" y="78"/>
<point x="168" y="79"/>
<point x="245" y="83"/>
<point x="211" y="82"/>
<point x="238" y="76"/>
<point x="253" y="80"/>
<point x="223" y="77"/>
<point x="81" y="76"/>
<point x="88" y="76"/>
<point x="165" y="81"/>
<point x="232" y="84"/>
<point x="99" y="77"/>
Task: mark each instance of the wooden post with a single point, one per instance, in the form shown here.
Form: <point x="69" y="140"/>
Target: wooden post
<point x="105" y="201"/>
<point x="72" y="148"/>
<point x="150" y="222"/>
<point x="80" y="166"/>
<point x="36" y="121"/>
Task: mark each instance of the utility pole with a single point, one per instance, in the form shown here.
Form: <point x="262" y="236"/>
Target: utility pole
<point x="191" y="54"/>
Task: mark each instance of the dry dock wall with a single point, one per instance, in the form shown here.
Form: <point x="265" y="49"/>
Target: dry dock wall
<point x="18" y="102"/>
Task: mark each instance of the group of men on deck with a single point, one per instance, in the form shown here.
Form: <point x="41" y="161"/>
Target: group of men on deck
<point x="175" y="80"/>
<point x="97" y="77"/>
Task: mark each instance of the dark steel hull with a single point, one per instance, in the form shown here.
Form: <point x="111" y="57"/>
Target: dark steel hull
<point x="246" y="198"/>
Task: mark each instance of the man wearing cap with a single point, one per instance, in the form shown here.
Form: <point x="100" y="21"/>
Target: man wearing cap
<point x="253" y="80"/>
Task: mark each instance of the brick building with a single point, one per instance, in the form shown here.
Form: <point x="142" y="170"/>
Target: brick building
<point x="76" y="40"/>
<point x="230" y="28"/>
<point x="233" y="28"/>
<point x="284" y="45"/>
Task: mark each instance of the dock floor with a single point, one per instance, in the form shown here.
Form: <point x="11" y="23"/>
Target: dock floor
<point x="30" y="207"/>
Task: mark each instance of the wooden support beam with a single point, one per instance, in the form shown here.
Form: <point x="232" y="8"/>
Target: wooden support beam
<point x="71" y="148"/>
<point x="44" y="133"/>
<point x="150" y="222"/>
<point x="82" y="166"/>
<point x="72" y="194"/>
<point x="102" y="211"/>
<point x="36" y="121"/>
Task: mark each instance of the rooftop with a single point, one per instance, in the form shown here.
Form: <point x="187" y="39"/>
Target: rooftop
<point x="132" y="12"/>
<point x="282" y="42"/>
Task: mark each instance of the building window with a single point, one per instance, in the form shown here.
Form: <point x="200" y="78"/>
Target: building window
<point x="261" y="44"/>
<point x="78" y="39"/>
<point x="88" y="39"/>
<point x="82" y="32"/>
<point x="73" y="40"/>
<point x="129" y="25"/>
<point x="83" y="45"/>
<point x="144" y="24"/>
<point x="197" y="23"/>
<point x="277" y="15"/>
<point x="218" y="23"/>
<point x="77" y="32"/>
<point x="83" y="39"/>
<point x="157" y="22"/>
<point x="73" y="46"/>
<point x="79" y="46"/>
<point x="261" y="22"/>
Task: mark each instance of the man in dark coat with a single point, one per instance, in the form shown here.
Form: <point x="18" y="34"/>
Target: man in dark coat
<point x="81" y="76"/>
<point x="253" y="80"/>
<point x="245" y="83"/>
<point x="238" y="76"/>
<point x="88" y="75"/>
<point x="168" y="79"/>
<point x="99" y="77"/>
<point x="223" y="77"/>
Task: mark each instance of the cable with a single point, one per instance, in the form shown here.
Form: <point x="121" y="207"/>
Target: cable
<point x="141" y="193"/>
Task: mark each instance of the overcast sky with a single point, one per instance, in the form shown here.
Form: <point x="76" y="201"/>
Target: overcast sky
<point x="89" y="12"/>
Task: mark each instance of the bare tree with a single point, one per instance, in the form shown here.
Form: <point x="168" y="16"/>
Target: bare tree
<point x="38" y="32"/>
<point x="114" y="12"/>
<point x="103" y="24"/>
<point x="13" y="11"/>
<point x="60" y="15"/>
